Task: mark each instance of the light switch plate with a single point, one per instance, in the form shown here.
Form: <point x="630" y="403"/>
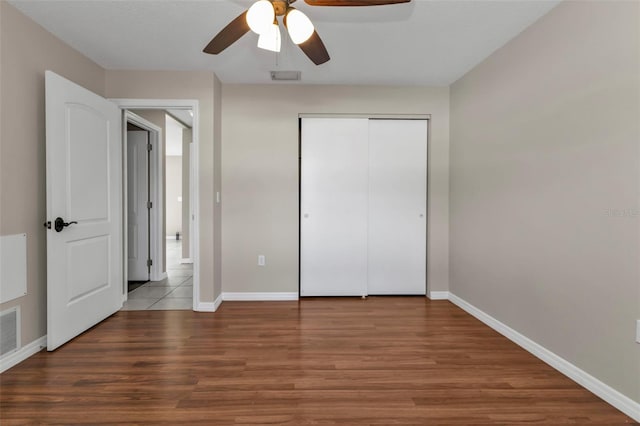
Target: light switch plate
<point x="637" y="331"/>
<point x="261" y="260"/>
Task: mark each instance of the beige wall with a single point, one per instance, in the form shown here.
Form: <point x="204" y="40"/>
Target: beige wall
<point x="544" y="146"/>
<point x="186" y="170"/>
<point x="260" y="174"/>
<point x="26" y="51"/>
<point x="217" y="186"/>
<point x="198" y="85"/>
<point x="173" y="190"/>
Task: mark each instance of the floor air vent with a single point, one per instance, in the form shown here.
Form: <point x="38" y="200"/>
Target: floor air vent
<point x="8" y="331"/>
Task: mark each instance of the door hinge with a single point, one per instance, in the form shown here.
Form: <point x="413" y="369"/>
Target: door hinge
<point x="149" y="204"/>
<point x="149" y="147"/>
<point x="149" y="262"/>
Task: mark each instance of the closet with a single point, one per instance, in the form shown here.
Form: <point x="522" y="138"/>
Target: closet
<point x="363" y="205"/>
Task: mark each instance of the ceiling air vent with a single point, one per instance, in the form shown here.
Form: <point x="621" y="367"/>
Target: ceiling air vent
<point x="285" y="75"/>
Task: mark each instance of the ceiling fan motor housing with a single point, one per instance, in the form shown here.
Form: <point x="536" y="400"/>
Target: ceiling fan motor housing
<point x="280" y="6"/>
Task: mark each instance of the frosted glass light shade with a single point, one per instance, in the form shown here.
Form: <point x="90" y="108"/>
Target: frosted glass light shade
<point x="270" y="39"/>
<point x="260" y="16"/>
<point x="299" y="26"/>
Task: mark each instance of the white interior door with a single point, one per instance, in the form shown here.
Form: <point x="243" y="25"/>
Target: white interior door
<point x="138" y="212"/>
<point x="397" y="207"/>
<point x="333" y="248"/>
<point x="84" y="186"/>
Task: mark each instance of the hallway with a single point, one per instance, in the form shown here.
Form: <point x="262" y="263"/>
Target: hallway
<point x="173" y="293"/>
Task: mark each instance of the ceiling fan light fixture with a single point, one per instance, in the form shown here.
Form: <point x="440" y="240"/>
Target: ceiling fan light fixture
<point x="270" y="39"/>
<point x="260" y="16"/>
<point x="299" y="26"/>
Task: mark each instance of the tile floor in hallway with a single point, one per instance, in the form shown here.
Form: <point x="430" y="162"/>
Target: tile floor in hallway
<point x="173" y="293"/>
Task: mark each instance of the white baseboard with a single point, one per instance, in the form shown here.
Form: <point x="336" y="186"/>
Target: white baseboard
<point x="604" y="391"/>
<point x="259" y="296"/>
<point x="14" y="358"/>
<point x="205" y="307"/>
<point x="438" y="295"/>
<point x="186" y="260"/>
<point x="217" y="302"/>
<point x="209" y="306"/>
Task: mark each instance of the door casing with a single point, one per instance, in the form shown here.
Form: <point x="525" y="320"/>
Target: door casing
<point x="163" y="104"/>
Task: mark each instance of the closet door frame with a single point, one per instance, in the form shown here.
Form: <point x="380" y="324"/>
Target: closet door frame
<point x="426" y="117"/>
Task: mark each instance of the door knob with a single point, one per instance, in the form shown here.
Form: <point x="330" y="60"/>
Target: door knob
<point x="60" y="224"/>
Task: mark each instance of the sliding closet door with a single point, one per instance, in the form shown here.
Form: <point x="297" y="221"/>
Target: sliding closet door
<point x="397" y="207"/>
<point x="333" y="222"/>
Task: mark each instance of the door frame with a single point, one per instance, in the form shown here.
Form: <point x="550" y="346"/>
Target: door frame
<point x="163" y="104"/>
<point x="380" y="116"/>
<point x="156" y="195"/>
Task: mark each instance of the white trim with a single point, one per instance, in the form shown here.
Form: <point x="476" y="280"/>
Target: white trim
<point x="186" y="260"/>
<point x="271" y="296"/>
<point x="141" y="103"/>
<point x="125" y="207"/>
<point x="438" y="295"/>
<point x="16" y="357"/>
<point x="369" y="116"/>
<point x="217" y="302"/>
<point x="194" y="106"/>
<point x="604" y="391"/>
<point x="208" y="306"/>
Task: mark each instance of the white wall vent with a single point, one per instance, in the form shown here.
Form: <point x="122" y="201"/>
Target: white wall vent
<point x="286" y="75"/>
<point x="9" y="330"/>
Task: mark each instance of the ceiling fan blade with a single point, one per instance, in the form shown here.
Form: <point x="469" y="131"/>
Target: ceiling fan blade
<point x="229" y="35"/>
<point x="353" y="2"/>
<point x="315" y="50"/>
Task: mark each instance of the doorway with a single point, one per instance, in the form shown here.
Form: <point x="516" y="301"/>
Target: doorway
<point x="173" y="278"/>
<point x="87" y="204"/>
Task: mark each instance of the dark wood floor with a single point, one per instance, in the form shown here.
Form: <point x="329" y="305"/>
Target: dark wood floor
<point x="380" y="361"/>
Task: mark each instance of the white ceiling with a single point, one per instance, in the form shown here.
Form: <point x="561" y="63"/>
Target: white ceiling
<point x="425" y="42"/>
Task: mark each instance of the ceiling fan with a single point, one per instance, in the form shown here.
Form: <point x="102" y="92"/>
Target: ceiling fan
<point x="261" y="18"/>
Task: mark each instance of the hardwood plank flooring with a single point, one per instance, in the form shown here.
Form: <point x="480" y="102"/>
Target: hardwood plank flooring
<point x="379" y="361"/>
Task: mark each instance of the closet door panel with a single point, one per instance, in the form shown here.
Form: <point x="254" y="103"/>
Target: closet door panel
<point x="397" y="207"/>
<point x="333" y="222"/>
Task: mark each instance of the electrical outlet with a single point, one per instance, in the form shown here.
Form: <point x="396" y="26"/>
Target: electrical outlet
<point x="637" y="331"/>
<point x="261" y="260"/>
